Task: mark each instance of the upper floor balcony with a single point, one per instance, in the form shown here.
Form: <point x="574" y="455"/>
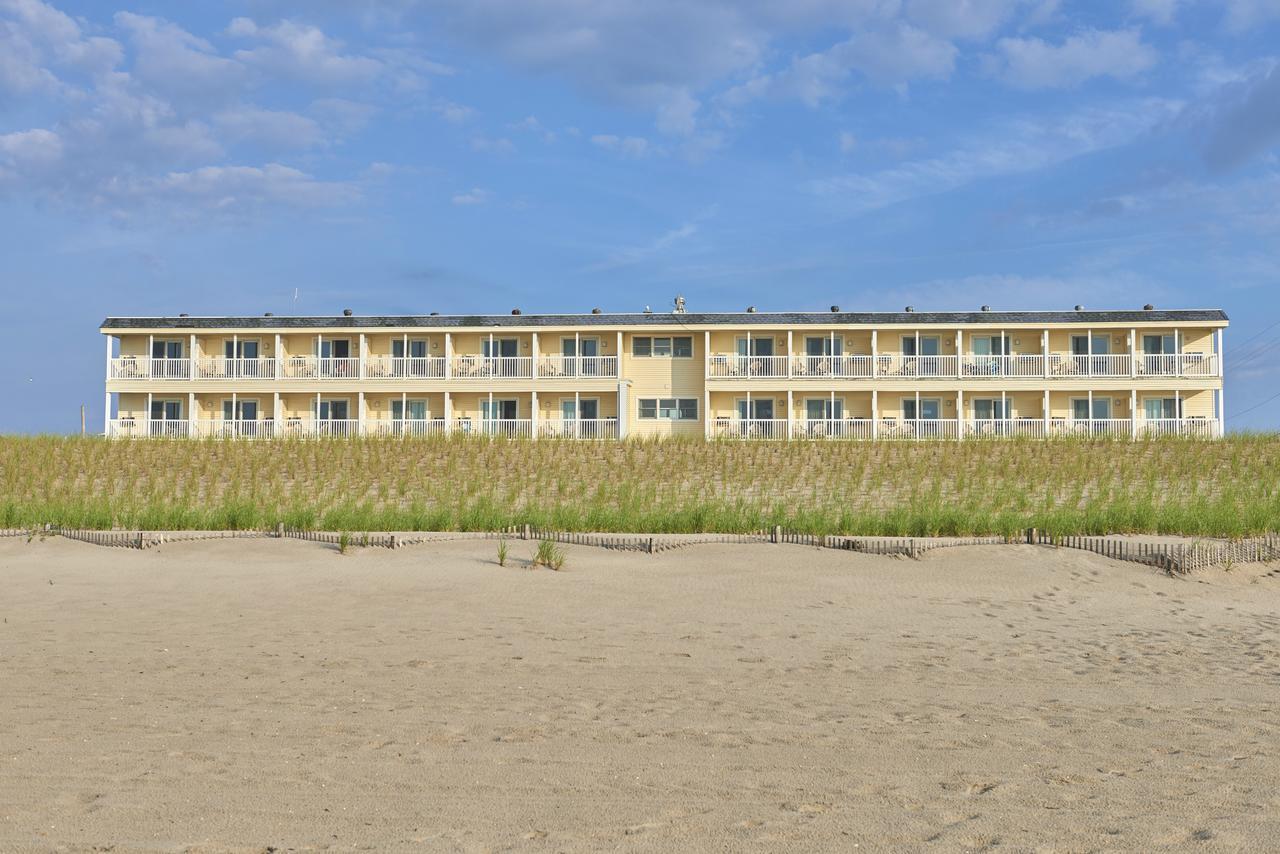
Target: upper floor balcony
<point x="375" y="368"/>
<point x="728" y="366"/>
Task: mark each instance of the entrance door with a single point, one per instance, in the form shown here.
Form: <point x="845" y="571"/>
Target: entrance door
<point x="166" y="360"/>
<point x="590" y="356"/>
<point x="334" y="356"/>
<point x="930" y="409"/>
<point x="930" y="348"/>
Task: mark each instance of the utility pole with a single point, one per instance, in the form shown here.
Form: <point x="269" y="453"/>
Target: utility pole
<point x="82" y="419"/>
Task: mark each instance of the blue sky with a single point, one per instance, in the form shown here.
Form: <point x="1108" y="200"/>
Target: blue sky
<point x="477" y="155"/>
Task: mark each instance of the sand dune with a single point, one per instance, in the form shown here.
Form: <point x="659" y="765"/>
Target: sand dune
<point x="247" y="694"/>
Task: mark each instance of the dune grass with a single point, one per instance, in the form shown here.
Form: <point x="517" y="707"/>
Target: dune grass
<point x="1222" y="488"/>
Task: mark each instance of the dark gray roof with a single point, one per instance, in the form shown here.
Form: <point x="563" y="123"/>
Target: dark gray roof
<point x="790" y="318"/>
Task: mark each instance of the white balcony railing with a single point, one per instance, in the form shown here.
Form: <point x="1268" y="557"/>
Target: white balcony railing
<point x="578" y="428"/>
<point x="404" y="367"/>
<point x="240" y="428"/>
<point x="144" y="368"/>
<point x="1019" y="365"/>
<point x="554" y="365"/>
<point x="144" y="428"/>
<point x="220" y="367"/>
<point x="1180" y="365"/>
<point x="725" y="366"/>
<point x="832" y="428"/>
<point x="832" y="367"/>
<point x="513" y="428"/>
<point x="1005" y="428"/>
<point x="896" y="366"/>
<point x="920" y="429"/>
<point x="407" y="427"/>
<point x="751" y="428"/>
<point x="492" y="367"/>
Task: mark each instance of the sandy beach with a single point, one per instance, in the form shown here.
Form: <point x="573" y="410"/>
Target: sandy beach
<point x="261" y="694"/>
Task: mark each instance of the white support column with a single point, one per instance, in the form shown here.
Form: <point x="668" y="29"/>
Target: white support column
<point x="106" y="414"/>
<point x="235" y="355"/>
<point x="360" y="368"/>
<point x="959" y="353"/>
<point x="577" y="354"/>
<point x="1090" y="409"/>
<point x="276" y="413"/>
<point x="577" y="415"/>
<point x="706" y="354"/>
<point x="959" y="411"/>
<point x="279" y="358"/>
<point x="151" y="352"/>
<point x="315" y="421"/>
<point x="1045" y="413"/>
<point x="875" y="406"/>
<point x="235" y="408"/>
<point x="1222" y="412"/>
<point x="1044" y="351"/>
<point x="534" y="372"/>
<point x="1133" y="413"/>
<point x="791" y="403"/>
<point x="1004" y="407"/>
<point x="1221" y="336"/>
<point x="706" y="408"/>
<point x="1088" y="361"/>
<point x="489" y="415"/>
<point x="1133" y="352"/>
<point x="624" y="408"/>
<point x="148" y="421"/>
<point x="791" y="358"/>
<point x="534" y="414"/>
<point x="1177" y="352"/>
<point x="109" y="343"/>
<point x="617" y="360"/>
<point x="360" y="412"/>
<point x="448" y="404"/>
<point x="1177" y="407"/>
<point x="875" y="369"/>
<point x="192" y="355"/>
<point x="448" y="365"/>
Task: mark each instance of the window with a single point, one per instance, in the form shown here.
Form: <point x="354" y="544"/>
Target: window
<point x="992" y="409"/>
<point x="669" y="408"/>
<point x="1157" y="408"/>
<point x="930" y="409"/>
<point x="681" y="346"/>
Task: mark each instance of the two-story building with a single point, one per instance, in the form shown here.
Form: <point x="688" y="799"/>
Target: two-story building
<point x="794" y="375"/>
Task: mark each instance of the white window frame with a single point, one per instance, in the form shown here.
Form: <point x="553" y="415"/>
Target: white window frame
<point x="315" y="406"/>
<point x="1179" y="406"/>
<point x="919" y="404"/>
<point x="827" y="404"/>
<point x="577" y="409"/>
<point x="751" y="415"/>
<point x="1097" y="398"/>
<point x="657" y="409"/>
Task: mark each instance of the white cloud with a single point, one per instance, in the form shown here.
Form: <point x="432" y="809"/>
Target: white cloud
<point x="530" y="124"/>
<point x="1031" y="63"/>
<point x="172" y="60"/>
<point x="237" y="187"/>
<point x="965" y="19"/>
<point x="492" y="145"/>
<point x="678" y="114"/>
<point x="1243" y="14"/>
<point x="892" y="56"/>
<point x="273" y="128"/>
<point x="302" y="52"/>
<point x="474" y="196"/>
<point x="848" y="142"/>
<point x="35" y="37"/>
<point x="628" y="146"/>
<point x="454" y="114"/>
<point x="1161" y="12"/>
<point x="1009" y="148"/>
<point x="30" y="148"/>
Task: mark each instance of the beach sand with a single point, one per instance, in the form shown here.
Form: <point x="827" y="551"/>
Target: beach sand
<point x="255" y="693"/>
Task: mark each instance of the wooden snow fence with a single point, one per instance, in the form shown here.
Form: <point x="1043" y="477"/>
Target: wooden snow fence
<point x="1173" y="558"/>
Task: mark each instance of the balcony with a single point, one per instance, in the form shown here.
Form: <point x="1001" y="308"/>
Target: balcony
<point x="578" y="428"/>
<point x="926" y="429"/>
<point x="970" y="366"/>
<point x="405" y="367"/>
<point x="555" y="366"/>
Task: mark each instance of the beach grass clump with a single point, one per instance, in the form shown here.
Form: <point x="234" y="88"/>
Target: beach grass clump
<point x="1226" y="488"/>
<point x="549" y="555"/>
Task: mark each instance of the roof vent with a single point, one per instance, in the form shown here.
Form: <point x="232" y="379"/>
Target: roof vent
<point x="835" y="308"/>
<point x="648" y="310"/>
<point x="751" y="309"/>
<point x="596" y="311"/>
<point x="184" y="314"/>
<point x="515" y="311"/>
<point x="1148" y="307"/>
<point x="679" y="303"/>
<point x="268" y="314"/>
<point x="911" y="308"/>
<point x="1079" y="308"/>
<point x="986" y="308"/>
<point x="346" y="312"/>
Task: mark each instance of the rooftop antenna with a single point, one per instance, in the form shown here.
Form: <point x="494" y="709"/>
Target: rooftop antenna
<point x="295" y="296"/>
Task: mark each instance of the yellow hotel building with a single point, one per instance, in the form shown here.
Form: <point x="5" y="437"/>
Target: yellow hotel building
<point x="749" y="375"/>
